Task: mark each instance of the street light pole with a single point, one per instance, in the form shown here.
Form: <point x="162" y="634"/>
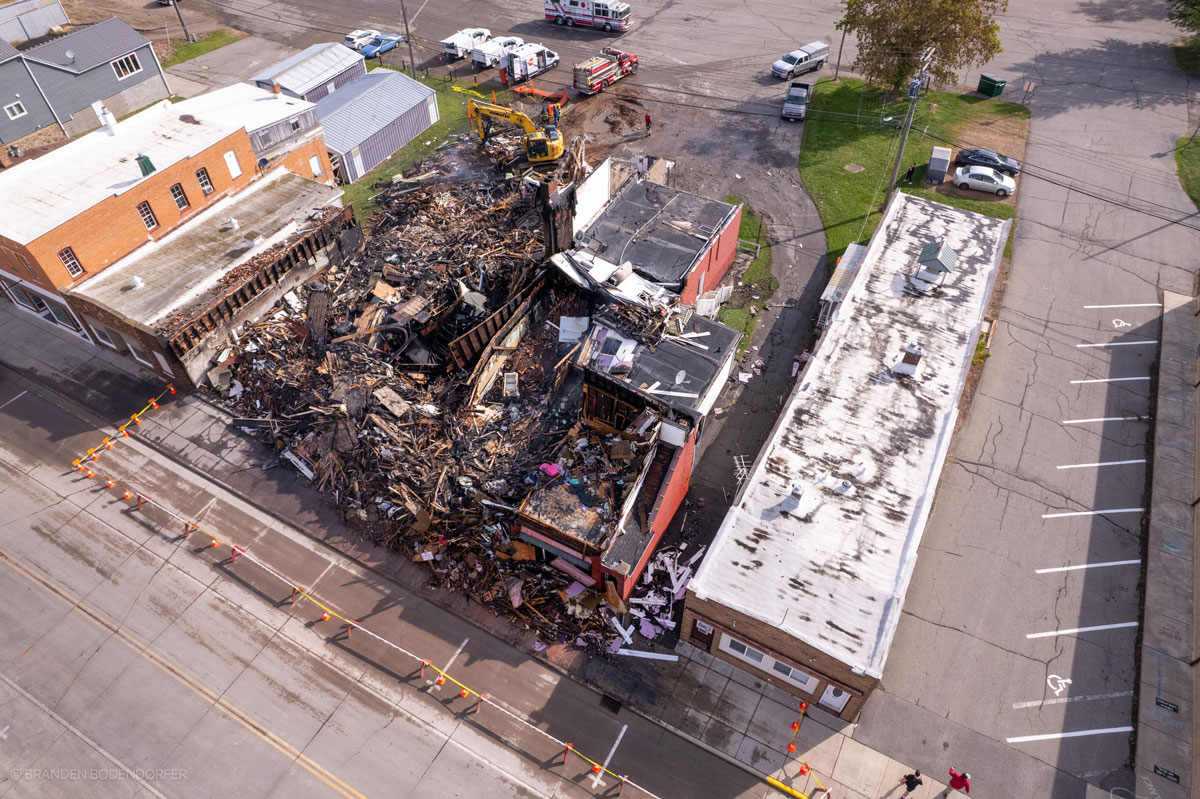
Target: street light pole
<point x="412" y="64"/>
<point x="838" y="65"/>
<point x="187" y="37"/>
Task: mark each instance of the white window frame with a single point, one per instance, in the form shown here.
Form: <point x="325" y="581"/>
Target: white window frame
<point x="295" y="125"/>
<point x="101" y="334"/>
<point x="809" y="685"/>
<point x="18" y="295"/>
<point x="144" y="210"/>
<point x="15" y="110"/>
<point x="77" y="269"/>
<point x="182" y="196"/>
<point x="134" y="349"/>
<point x="130" y="64"/>
<point x="231" y="162"/>
<point x="206" y="185"/>
<point x="314" y="164"/>
<point x="727" y="645"/>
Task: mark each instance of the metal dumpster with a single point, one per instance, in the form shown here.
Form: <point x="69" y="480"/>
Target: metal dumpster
<point x="991" y="86"/>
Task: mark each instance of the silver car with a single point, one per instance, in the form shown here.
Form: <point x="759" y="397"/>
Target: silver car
<point x="984" y="178"/>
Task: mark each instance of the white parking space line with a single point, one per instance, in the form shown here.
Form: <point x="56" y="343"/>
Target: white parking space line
<point x="1074" y="630"/>
<point x="1077" y="734"/>
<point x="1120" y="344"/>
<point x="1128" y="305"/>
<point x="14" y="399"/>
<point x="1087" y="566"/>
<point x="433" y="685"/>
<point x="1101" y="463"/>
<point x="1109" y="380"/>
<point x="596" y="781"/>
<point x="1104" y="512"/>
<point x="1104" y="419"/>
<point x="1064" y="700"/>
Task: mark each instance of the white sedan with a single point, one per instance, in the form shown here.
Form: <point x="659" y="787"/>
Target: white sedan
<point x="355" y="40"/>
<point x="984" y="178"/>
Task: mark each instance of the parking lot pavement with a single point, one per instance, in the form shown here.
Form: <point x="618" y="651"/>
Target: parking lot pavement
<point x="230" y="64"/>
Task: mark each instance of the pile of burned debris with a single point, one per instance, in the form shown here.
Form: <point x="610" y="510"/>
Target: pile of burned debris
<point x="380" y="381"/>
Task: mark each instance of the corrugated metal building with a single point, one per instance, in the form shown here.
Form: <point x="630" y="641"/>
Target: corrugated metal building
<point x="373" y="117"/>
<point x="29" y="19"/>
<point x="314" y="72"/>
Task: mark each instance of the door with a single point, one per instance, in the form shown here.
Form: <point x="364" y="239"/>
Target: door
<point x="702" y="634"/>
<point x="356" y="159"/>
<point x="835" y="698"/>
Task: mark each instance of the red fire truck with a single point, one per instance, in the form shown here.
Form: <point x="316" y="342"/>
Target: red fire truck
<point x="606" y="15"/>
<point x="600" y="71"/>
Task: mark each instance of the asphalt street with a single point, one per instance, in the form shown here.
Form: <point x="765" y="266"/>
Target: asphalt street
<point x="137" y="661"/>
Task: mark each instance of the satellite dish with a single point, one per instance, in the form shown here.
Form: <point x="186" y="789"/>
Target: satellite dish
<point x="70" y="54"/>
<point x="679" y="378"/>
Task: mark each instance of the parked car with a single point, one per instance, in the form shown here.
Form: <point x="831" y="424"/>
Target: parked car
<point x="804" y="59"/>
<point x="356" y="39"/>
<point x="984" y="178"/>
<point x="980" y="157"/>
<point x="381" y="44"/>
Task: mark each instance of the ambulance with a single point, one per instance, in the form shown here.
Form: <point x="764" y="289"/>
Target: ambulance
<point x="605" y="15"/>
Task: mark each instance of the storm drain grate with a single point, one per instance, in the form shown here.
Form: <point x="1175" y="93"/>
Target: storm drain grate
<point x="608" y="703"/>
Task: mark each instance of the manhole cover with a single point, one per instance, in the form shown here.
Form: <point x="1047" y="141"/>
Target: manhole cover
<point x="853" y="168"/>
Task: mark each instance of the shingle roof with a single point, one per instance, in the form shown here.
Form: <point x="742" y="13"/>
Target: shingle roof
<point x="91" y="46"/>
<point x="366" y="105"/>
<point x="309" y="68"/>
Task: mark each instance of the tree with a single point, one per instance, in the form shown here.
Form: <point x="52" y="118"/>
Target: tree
<point x="1185" y="14"/>
<point x="892" y="34"/>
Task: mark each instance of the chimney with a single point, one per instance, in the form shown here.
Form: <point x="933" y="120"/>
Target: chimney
<point x="276" y="90"/>
<point x="909" y="362"/>
<point x="107" y="120"/>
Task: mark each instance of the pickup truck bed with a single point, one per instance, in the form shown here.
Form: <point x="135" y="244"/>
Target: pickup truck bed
<point x="795" y="103"/>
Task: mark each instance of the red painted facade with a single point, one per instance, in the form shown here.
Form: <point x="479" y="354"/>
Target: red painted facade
<point x="715" y="262"/>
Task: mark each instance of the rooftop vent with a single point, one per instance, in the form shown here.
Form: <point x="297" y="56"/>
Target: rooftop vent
<point x="137" y="282"/>
<point x="144" y="162"/>
<point x="934" y="263"/>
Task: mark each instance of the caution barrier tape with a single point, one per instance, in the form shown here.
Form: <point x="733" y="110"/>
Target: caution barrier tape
<point x="93" y="454"/>
<point x="328" y="612"/>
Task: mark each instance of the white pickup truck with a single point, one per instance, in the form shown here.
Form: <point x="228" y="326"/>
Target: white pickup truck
<point x="462" y="42"/>
<point x="492" y="53"/>
<point x="795" y="104"/>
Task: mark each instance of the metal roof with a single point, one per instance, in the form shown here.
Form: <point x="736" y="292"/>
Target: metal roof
<point x="310" y="67"/>
<point x="7" y="51"/>
<point x="91" y="46"/>
<point x="938" y="255"/>
<point x="366" y="105"/>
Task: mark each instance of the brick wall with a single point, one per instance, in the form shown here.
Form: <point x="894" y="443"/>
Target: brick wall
<point x="13" y="259"/>
<point x="297" y="162"/>
<point x="113" y="228"/>
<point x="715" y="262"/>
<point x="779" y="645"/>
<point x="146" y="342"/>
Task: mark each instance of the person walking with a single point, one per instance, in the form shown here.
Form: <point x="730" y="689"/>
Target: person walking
<point x="958" y="782"/>
<point x="908" y="176"/>
<point x="647" y="124"/>
<point x="911" y="781"/>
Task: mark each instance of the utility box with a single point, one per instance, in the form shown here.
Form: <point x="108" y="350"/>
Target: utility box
<point x="991" y="86"/>
<point x="939" y="165"/>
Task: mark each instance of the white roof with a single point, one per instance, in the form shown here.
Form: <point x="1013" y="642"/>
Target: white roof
<point x="38" y="195"/>
<point x="311" y="67"/>
<point x="831" y="568"/>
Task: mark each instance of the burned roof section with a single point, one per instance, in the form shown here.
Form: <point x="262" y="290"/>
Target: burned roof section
<point x="822" y="537"/>
<point x="661" y="230"/>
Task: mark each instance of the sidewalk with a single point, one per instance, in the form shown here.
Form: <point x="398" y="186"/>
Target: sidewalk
<point x="722" y="709"/>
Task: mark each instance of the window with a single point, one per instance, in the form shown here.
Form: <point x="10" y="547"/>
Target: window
<point x="102" y="335"/>
<point x="295" y="125"/>
<point x="126" y="66"/>
<point x="15" y="110"/>
<point x="181" y="200"/>
<point x="206" y="185"/>
<point x="741" y="650"/>
<point x="138" y="353"/>
<point x="148" y="218"/>
<point x="314" y="164"/>
<point x="806" y="681"/>
<point x="63" y="317"/>
<point x="231" y="161"/>
<point x="67" y="256"/>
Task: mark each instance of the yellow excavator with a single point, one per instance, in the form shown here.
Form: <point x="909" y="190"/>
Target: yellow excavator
<point x="541" y="146"/>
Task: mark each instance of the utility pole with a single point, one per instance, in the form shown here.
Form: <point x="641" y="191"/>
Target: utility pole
<point x="914" y="91"/>
<point x="838" y="65"/>
<point x="412" y="64"/>
<point x="187" y="37"/>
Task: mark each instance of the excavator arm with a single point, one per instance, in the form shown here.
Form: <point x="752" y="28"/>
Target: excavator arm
<point x="540" y="145"/>
<point x="478" y="111"/>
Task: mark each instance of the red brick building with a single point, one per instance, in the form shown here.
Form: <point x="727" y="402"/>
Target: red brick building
<point x="111" y="235"/>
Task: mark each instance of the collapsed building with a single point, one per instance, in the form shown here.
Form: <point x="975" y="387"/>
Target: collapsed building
<point x="524" y="428"/>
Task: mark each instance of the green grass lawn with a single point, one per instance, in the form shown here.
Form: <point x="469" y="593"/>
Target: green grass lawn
<point x="1187" y="161"/>
<point x="203" y="44"/>
<point x="758" y="279"/>
<point x="846" y="125"/>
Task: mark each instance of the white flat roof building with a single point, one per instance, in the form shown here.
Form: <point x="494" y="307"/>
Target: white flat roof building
<point x="821" y="540"/>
